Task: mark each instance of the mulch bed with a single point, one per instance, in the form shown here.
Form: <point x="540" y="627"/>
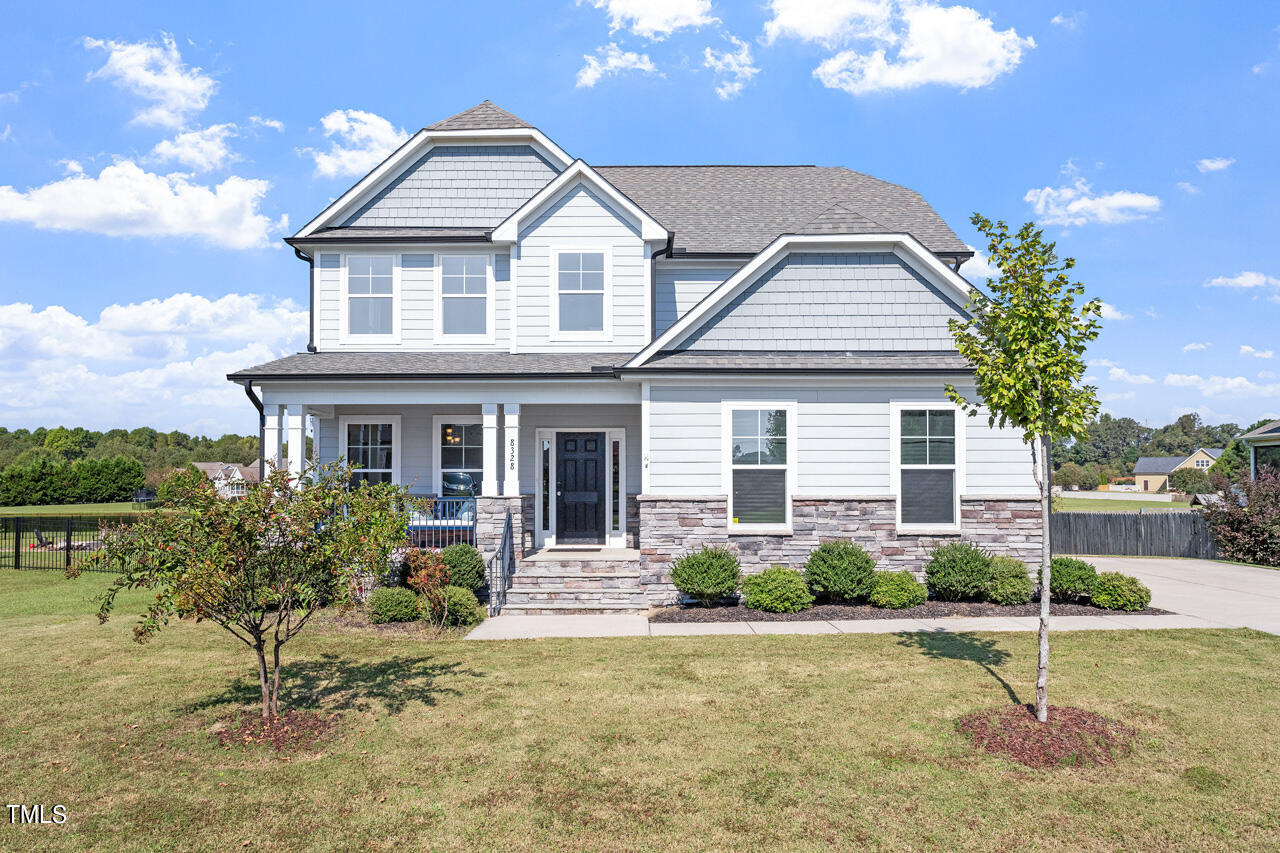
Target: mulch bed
<point x="290" y="731"/>
<point x="1072" y="737"/>
<point x="928" y="610"/>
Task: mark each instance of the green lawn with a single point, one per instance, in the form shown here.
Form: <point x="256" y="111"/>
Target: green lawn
<point x="122" y="508"/>
<point x="1117" y="505"/>
<point x="712" y="743"/>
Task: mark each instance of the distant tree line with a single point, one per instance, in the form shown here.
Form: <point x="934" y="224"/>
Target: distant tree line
<point x="60" y="465"/>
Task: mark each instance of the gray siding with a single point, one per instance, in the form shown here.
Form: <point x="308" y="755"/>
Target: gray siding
<point x="859" y="301"/>
<point x="677" y="289"/>
<point x="459" y="186"/>
<point x="415" y="436"/>
<point x="533" y="417"/>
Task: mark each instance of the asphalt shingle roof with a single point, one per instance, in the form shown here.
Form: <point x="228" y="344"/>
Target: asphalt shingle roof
<point x="483" y="116"/>
<point x="1157" y="464"/>
<point x="431" y="365"/>
<point x="1268" y="430"/>
<point x="367" y="233"/>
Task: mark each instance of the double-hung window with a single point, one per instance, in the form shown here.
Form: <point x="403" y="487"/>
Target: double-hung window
<point x="371" y="442"/>
<point x="581" y="302"/>
<point x="927" y="471"/>
<point x="465" y="304"/>
<point x="370" y="298"/>
<point x="759" y="457"/>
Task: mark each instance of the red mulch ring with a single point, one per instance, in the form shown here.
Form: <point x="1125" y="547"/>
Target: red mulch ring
<point x="1072" y="737"/>
<point x="290" y="731"/>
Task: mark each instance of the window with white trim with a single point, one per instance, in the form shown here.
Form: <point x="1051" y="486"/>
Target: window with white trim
<point x="371" y="446"/>
<point x="370" y="294"/>
<point x="758" y="466"/>
<point x="580" y="292"/>
<point x="927" y="467"/>
<point x="461" y="459"/>
<point x="464" y="296"/>
<point x="1203" y="463"/>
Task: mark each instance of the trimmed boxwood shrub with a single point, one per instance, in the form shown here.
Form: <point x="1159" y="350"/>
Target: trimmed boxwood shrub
<point x="1071" y="579"/>
<point x="392" y="604"/>
<point x="458" y="608"/>
<point x="707" y="575"/>
<point x="1115" y="591"/>
<point x="466" y="566"/>
<point x="958" y="572"/>
<point x="1010" y="583"/>
<point x="778" y="590"/>
<point x="840" y="571"/>
<point x="897" y="590"/>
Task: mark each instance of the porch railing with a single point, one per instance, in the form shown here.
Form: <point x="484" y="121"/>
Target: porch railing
<point x="442" y="522"/>
<point x="501" y="567"/>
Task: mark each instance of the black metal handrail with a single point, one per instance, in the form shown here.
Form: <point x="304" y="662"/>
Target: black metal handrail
<point x="502" y="566"/>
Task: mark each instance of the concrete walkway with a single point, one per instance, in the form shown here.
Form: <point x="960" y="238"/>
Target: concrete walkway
<point x="1239" y="596"/>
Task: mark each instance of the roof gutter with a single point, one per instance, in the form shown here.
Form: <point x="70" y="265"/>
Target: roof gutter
<point x="653" y="281"/>
<point x="262" y="428"/>
<point x="311" y="277"/>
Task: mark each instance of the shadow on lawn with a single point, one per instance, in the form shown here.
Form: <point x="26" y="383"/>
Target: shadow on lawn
<point x="944" y="645"/>
<point x="332" y="683"/>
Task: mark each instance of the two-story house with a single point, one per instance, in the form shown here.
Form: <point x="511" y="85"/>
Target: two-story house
<point x="637" y="361"/>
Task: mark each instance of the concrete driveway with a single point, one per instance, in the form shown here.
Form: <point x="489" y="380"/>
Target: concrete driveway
<point x="1238" y="596"/>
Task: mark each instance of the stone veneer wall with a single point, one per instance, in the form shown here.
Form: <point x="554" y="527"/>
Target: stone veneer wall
<point x="673" y="526"/>
<point x="491" y="513"/>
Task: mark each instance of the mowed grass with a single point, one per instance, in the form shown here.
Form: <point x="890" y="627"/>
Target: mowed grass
<point x="1117" y="505"/>
<point x="694" y="743"/>
<point x="87" y="510"/>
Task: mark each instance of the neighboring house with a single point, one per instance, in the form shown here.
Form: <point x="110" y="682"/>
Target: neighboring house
<point x="646" y="360"/>
<point x="231" y="480"/>
<point x="1263" y="446"/>
<point x="1151" y="473"/>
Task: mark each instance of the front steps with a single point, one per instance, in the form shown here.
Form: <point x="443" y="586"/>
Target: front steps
<point x="579" y="582"/>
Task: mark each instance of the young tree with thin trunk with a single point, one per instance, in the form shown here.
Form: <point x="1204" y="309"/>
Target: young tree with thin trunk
<point x="260" y="566"/>
<point x="1026" y="342"/>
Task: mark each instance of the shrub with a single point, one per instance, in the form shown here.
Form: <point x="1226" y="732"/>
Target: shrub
<point x="1190" y="480"/>
<point x="1010" y="583"/>
<point x="458" y="608"/>
<point x="1071" y="579"/>
<point x="840" y="571"/>
<point x="707" y="575"/>
<point x="778" y="590"/>
<point x="1246" y="522"/>
<point x="958" y="572"/>
<point x="427" y="574"/>
<point x="1115" y="591"/>
<point x="897" y="590"/>
<point x="466" y="566"/>
<point x="392" y="604"/>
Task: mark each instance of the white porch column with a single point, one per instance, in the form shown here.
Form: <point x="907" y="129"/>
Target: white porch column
<point x="296" y="435"/>
<point x="511" y="449"/>
<point x="489" y="419"/>
<point x="272" y="436"/>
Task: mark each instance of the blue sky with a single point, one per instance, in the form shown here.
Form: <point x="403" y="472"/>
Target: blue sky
<point x="153" y="155"/>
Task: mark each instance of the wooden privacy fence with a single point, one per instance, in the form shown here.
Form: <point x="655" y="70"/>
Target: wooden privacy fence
<point x="1132" y="534"/>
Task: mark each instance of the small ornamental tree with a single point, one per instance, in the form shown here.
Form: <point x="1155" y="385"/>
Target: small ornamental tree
<point x="1246" y="522"/>
<point x="1190" y="480"/>
<point x="1026" y="342"/>
<point x="259" y="566"/>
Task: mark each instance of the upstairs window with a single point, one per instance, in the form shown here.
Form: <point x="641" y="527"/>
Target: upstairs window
<point x="1203" y="463"/>
<point x="581" y="299"/>
<point x="465" y="306"/>
<point x="927" y="472"/>
<point x="370" y="295"/>
<point x="759" y="464"/>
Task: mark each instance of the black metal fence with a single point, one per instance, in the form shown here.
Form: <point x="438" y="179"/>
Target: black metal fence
<point x="52" y="542"/>
<point x="502" y="566"/>
<point x="1133" y="534"/>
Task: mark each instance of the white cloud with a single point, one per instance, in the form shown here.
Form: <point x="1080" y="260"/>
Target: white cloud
<point x="125" y="200"/>
<point x="164" y="358"/>
<point x="1119" y="395"/>
<point x="830" y="23"/>
<point x="7" y="133"/>
<point x="1194" y="346"/>
<point x="1222" y="386"/>
<point x="655" y="19"/>
<point x="360" y="141"/>
<point x="202" y="150"/>
<point x="734" y="68"/>
<point x="979" y="268"/>
<point x="155" y="72"/>
<point x="274" y="124"/>
<point x="1189" y="188"/>
<point x="1214" y="164"/>
<point x="1111" y="312"/>
<point x="1268" y="374"/>
<point x="1245" y="349"/>
<point x="1246" y="279"/>
<point x="610" y="61"/>
<point x="1119" y="374"/>
<point x="1068" y="22"/>
<point x="1077" y="204"/>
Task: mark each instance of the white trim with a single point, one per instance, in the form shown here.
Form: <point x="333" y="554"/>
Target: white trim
<point x="903" y="245"/>
<point x="413" y="150"/>
<point x="613" y="537"/>
<point x="511" y="449"/>
<point x="646" y="408"/>
<point x="726" y="462"/>
<point x="508" y="231"/>
<point x="959" y="483"/>
<point x="437" y="421"/>
<point x="439" y="336"/>
<point x="397" y="446"/>
<point x="489" y="422"/>
<point x="553" y="275"/>
<point x="344" y="321"/>
<point x="513" y="312"/>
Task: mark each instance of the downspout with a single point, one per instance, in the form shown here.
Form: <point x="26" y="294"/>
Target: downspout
<point x="311" y="277"/>
<point x="653" y="281"/>
<point x="262" y="429"/>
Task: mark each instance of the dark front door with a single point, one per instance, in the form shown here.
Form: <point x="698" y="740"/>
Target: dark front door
<point x="580" y="484"/>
